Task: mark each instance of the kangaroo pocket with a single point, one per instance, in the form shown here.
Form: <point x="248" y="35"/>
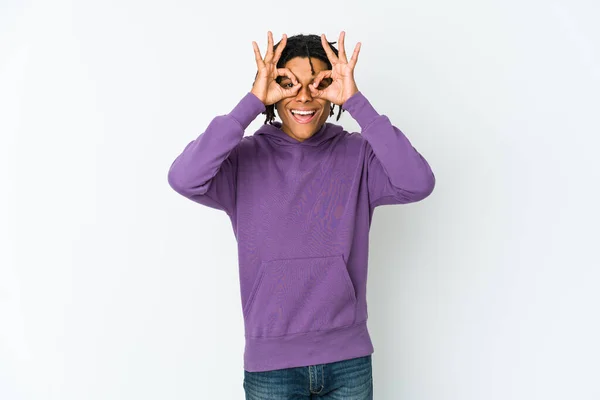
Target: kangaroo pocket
<point x="300" y="295"/>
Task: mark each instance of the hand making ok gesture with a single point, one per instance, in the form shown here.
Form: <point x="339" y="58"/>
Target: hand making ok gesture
<point x="341" y="73"/>
<point x="265" y="87"/>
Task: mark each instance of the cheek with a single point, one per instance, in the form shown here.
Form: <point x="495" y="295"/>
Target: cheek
<point x="326" y="110"/>
<point x="280" y="108"/>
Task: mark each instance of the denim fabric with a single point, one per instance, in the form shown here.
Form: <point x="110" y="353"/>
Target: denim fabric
<point x="342" y="380"/>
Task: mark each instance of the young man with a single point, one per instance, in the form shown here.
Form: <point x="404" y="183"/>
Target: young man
<point x="301" y="194"/>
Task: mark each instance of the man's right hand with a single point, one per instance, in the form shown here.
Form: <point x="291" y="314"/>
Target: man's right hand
<point x="265" y="85"/>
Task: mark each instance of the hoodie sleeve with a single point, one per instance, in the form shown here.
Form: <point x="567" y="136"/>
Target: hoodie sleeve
<point x="396" y="172"/>
<point x="205" y="171"/>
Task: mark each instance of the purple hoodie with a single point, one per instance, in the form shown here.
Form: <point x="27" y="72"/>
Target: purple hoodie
<point x="301" y="213"/>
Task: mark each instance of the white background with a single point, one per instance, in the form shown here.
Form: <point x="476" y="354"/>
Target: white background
<point x="113" y="286"/>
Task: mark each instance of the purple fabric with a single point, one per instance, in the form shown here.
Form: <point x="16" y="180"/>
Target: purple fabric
<point x="301" y="213"/>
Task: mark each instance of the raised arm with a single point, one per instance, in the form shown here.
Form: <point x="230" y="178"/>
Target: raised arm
<point x="206" y="170"/>
<point x="396" y="172"/>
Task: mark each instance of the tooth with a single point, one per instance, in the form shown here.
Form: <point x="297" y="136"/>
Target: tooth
<point x="303" y="112"/>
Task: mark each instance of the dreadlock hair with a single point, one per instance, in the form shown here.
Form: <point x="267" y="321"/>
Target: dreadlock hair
<point x="303" y="46"/>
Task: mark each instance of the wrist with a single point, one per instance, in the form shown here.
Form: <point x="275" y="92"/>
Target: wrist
<point x="258" y="95"/>
<point x="360" y="109"/>
<point x="248" y="108"/>
<point x="350" y="93"/>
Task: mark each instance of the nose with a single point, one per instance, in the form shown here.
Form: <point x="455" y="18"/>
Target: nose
<point x="304" y="95"/>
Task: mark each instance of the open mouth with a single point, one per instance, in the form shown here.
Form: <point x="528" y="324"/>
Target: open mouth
<point x="303" y="116"/>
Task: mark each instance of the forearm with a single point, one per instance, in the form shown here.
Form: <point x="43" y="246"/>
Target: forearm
<point x="201" y="159"/>
<point x="405" y="168"/>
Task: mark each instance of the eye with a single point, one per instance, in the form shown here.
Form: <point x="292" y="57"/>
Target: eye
<point x="287" y="85"/>
<point x="324" y="84"/>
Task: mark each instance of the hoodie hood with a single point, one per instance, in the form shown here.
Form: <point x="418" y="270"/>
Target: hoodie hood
<point x="275" y="134"/>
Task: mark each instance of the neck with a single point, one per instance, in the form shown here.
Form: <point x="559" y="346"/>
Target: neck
<point x="291" y="134"/>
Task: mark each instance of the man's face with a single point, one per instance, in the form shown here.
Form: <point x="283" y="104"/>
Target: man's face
<point x="293" y="111"/>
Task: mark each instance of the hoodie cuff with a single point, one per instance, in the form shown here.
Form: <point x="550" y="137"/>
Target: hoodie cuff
<point x="247" y="110"/>
<point x="360" y="109"/>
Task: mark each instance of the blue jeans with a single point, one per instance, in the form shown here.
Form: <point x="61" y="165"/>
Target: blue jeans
<point x="342" y="380"/>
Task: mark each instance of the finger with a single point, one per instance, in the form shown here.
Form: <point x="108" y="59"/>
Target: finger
<point x="280" y="48"/>
<point x="259" y="61"/>
<point x="288" y="73"/>
<point x="354" y="58"/>
<point x="341" y="48"/>
<point x="313" y="86"/>
<point x="320" y="76"/>
<point x="330" y="54"/>
<point x="269" y="55"/>
<point x="316" y="93"/>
